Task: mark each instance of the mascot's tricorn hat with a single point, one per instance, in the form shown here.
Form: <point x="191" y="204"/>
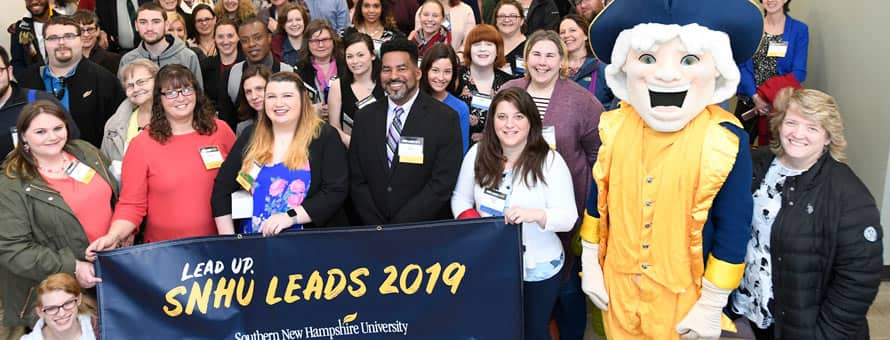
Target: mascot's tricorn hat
<point x="740" y="19"/>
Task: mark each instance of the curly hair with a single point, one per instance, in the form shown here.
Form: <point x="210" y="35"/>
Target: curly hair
<point x="176" y="76"/>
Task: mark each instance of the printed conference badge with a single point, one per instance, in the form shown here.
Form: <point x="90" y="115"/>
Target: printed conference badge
<point x="411" y="150"/>
<point x="549" y="133"/>
<point x="211" y="156"/>
<point x="365" y="102"/>
<point x="481" y="101"/>
<point x="248" y="180"/>
<point x="777" y="49"/>
<point x="80" y="172"/>
<point x="492" y="203"/>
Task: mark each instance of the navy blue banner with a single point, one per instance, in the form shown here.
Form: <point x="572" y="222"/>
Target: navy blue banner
<point x="444" y="280"/>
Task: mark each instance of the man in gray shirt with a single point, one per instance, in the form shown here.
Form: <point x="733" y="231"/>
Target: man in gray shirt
<point x="158" y="46"/>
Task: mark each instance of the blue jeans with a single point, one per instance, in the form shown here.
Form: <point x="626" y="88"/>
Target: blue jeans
<point x="570" y="311"/>
<point x="539" y="299"/>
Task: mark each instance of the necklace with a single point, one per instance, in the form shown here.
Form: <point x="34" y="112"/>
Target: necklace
<point x="65" y="163"/>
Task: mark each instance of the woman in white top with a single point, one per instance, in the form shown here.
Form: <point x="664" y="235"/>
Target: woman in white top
<point x="513" y="173"/>
<point x="62" y="312"/>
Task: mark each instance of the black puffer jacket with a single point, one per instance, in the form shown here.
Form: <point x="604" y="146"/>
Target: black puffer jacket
<point x="826" y="252"/>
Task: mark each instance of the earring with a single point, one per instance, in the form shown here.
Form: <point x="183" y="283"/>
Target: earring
<point x="25" y="147"/>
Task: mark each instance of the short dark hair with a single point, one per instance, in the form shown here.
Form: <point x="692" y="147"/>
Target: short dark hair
<point x="400" y="45"/>
<point x="85" y="17"/>
<point x="4" y="56"/>
<point x="252" y="21"/>
<point x="61" y="20"/>
<point x="152" y="6"/>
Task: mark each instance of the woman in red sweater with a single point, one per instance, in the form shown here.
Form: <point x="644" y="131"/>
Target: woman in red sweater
<point x="169" y="168"/>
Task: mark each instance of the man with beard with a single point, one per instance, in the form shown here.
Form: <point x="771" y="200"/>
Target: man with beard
<point x="256" y="46"/>
<point x="406" y="150"/>
<point x="27" y="45"/>
<point x="12" y="100"/>
<point x="88" y="91"/>
<point x="588" y="8"/>
<point x="158" y="46"/>
<point x="89" y="34"/>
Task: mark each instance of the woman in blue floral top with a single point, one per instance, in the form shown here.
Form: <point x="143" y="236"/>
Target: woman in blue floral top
<point x="293" y="164"/>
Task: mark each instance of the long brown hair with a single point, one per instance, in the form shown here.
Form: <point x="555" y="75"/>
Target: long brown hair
<point x="490" y="159"/>
<point x="20" y="163"/>
<point x="246" y="112"/>
<point x="308" y="128"/>
<point x="203" y="116"/>
<point x="386" y="17"/>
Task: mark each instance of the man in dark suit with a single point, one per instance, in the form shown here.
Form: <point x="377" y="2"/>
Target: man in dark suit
<point x="406" y="151"/>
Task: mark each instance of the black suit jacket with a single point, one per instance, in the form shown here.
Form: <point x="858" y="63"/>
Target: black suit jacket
<point x="109" y="60"/>
<point x="406" y="192"/>
<point x="93" y="97"/>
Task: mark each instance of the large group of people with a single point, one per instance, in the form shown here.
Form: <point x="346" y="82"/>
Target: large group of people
<point x="138" y="121"/>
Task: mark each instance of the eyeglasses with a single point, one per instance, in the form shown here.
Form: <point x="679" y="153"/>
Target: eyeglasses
<point x="67" y="37"/>
<point x="139" y="83"/>
<point x="88" y="29"/>
<point x="53" y="310"/>
<point x="511" y="17"/>
<point x="172" y="94"/>
<point x="320" y="41"/>
<point x="204" y="20"/>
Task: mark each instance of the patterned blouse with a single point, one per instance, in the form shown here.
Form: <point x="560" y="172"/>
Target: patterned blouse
<point x="764" y="66"/>
<point x="277" y="189"/>
<point x="755" y="293"/>
<point x="469" y="89"/>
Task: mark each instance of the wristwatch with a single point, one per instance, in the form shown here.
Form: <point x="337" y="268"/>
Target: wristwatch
<point x="292" y="213"/>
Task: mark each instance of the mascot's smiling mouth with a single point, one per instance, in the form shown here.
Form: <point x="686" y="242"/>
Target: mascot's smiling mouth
<point x="666" y="96"/>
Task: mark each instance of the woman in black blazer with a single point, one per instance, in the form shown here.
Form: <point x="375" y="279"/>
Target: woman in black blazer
<point x="293" y="164"/>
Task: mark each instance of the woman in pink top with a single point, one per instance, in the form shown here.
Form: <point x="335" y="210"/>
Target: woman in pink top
<point x="169" y="168"/>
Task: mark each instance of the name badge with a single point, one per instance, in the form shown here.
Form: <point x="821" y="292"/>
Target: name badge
<point x="15" y="136"/>
<point x="365" y="102"/>
<point x="411" y="150"/>
<point x="80" y="172"/>
<point x="492" y="203"/>
<point x="211" y="156"/>
<point x="549" y="133"/>
<point x="247" y="180"/>
<point x="520" y="65"/>
<point x="242" y="204"/>
<point x="777" y="49"/>
<point x="481" y="101"/>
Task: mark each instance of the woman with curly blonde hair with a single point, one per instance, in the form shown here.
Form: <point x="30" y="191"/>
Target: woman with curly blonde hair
<point x="813" y="263"/>
<point x="236" y="10"/>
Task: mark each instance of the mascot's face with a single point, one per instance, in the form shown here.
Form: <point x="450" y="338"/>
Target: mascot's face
<point x="668" y="86"/>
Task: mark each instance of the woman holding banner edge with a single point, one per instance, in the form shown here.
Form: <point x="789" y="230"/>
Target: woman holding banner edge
<point x="513" y="173"/>
<point x="293" y="163"/>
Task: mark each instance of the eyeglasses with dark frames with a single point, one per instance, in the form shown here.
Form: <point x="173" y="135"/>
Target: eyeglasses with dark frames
<point x="173" y="94"/>
<point x="53" y="310"/>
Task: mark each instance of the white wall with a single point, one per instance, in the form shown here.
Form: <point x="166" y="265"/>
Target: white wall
<point x="10" y="12"/>
<point x="848" y="49"/>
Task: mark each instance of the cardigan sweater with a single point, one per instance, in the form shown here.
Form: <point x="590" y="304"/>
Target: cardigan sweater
<point x="797" y="35"/>
<point x="328" y="185"/>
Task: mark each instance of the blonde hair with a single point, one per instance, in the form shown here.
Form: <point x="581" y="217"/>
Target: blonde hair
<point x="308" y="128"/>
<point x="126" y="71"/>
<point x="552" y="36"/>
<point x="815" y="105"/>
<point x="245" y="10"/>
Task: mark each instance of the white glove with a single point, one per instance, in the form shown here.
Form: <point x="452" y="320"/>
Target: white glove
<point x="592" y="282"/>
<point x="703" y="320"/>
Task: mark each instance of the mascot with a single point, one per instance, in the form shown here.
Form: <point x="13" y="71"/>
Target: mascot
<point x="668" y="217"/>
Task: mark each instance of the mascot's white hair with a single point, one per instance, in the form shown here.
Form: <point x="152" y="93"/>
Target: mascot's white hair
<point x="697" y="39"/>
